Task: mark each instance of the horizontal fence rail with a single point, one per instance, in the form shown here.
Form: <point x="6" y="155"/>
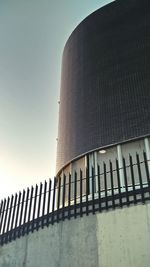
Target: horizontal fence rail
<point x="108" y="187"/>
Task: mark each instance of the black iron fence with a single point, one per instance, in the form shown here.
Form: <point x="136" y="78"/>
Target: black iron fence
<point x="108" y="187"/>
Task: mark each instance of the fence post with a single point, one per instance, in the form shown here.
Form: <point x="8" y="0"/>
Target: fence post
<point x="69" y="195"/>
<point x="25" y="212"/>
<point x="87" y="191"/>
<point x="29" y="211"/>
<point x="140" y="177"/>
<point x="1" y="205"/>
<point x="39" y="207"/>
<point x="75" y="194"/>
<point x="34" y="207"/>
<point x="147" y="148"/>
<point x="17" y="213"/>
<point x="105" y="184"/>
<point x="9" y="217"/>
<point x="1" y="222"/>
<point x="58" y="197"/>
<point x="120" y="165"/>
<point x="132" y="178"/>
<point x="49" y="201"/>
<point x="5" y="218"/>
<point x="21" y="212"/>
<point x="44" y="198"/>
<point x="112" y="184"/>
<point x="99" y="187"/>
<point x="13" y="217"/>
<point x="126" y="182"/>
<point x="96" y="171"/>
<point x="93" y="190"/>
<point x="146" y="169"/>
<point x="81" y="193"/>
<point x="18" y="207"/>
<point x="119" y="188"/>
<point x="64" y="195"/>
<point x="53" y="202"/>
<point x="1" y="208"/>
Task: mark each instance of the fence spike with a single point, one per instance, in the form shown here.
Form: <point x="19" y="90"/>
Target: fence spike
<point x="140" y="177"/>
<point x="49" y="202"/>
<point x="93" y="190"/>
<point x="112" y="184"/>
<point x="81" y="178"/>
<point x="53" y="202"/>
<point x="39" y="207"/>
<point x="64" y="194"/>
<point x="25" y="211"/>
<point x="75" y="194"/>
<point x="58" y="197"/>
<point x="87" y="191"/>
<point x="5" y="219"/>
<point x="34" y="207"/>
<point x="126" y="182"/>
<point x="119" y="184"/>
<point x="132" y="178"/>
<point x="69" y="195"/>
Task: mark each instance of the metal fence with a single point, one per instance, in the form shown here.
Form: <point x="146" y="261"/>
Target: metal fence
<point x="72" y="196"/>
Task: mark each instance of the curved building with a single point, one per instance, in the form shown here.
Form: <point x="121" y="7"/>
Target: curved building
<point x="103" y="157"/>
<point x="105" y="87"/>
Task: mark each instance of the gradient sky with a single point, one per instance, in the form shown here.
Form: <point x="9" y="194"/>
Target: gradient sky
<point x="32" y="36"/>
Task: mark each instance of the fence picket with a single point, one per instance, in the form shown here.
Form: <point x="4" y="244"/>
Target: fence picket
<point x="140" y="177"/>
<point x="64" y="194"/>
<point x="1" y="222"/>
<point x="112" y="184"/>
<point x="105" y="185"/>
<point x="119" y="184"/>
<point x="13" y="217"/>
<point x="87" y="191"/>
<point x="10" y="211"/>
<point x="132" y="178"/>
<point x="34" y="207"/>
<point x="53" y="202"/>
<point x="21" y="212"/>
<point x="126" y="182"/>
<point x="1" y="208"/>
<point x="49" y="202"/>
<point x="58" y="197"/>
<point x="93" y="190"/>
<point x="44" y="198"/>
<point x="69" y="195"/>
<point x="39" y="206"/>
<point x="5" y="218"/>
<point x="25" y="212"/>
<point x="99" y="187"/>
<point x="75" y="194"/>
<point x="81" y="192"/>
<point x="146" y="168"/>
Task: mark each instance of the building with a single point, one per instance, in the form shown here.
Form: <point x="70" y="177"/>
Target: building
<point x="103" y="157"/>
<point x="104" y="98"/>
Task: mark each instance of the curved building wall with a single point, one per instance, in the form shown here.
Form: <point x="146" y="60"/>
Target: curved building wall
<point x="105" y="85"/>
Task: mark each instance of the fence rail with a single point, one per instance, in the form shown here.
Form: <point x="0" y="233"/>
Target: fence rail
<point x="69" y="196"/>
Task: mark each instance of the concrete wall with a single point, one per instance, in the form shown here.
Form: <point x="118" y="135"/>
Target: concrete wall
<point x="119" y="238"/>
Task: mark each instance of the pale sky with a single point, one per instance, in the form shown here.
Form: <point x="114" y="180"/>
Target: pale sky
<point x="32" y="36"/>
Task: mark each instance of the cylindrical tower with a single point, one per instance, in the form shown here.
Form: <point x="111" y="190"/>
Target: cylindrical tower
<point x="103" y="157"/>
<point x="105" y="87"/>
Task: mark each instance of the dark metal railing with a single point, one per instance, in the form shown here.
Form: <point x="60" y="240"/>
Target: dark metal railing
<point x="69" y="196"/>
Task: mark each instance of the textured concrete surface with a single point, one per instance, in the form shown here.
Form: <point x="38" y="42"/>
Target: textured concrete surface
<point x="119" y="238"/>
